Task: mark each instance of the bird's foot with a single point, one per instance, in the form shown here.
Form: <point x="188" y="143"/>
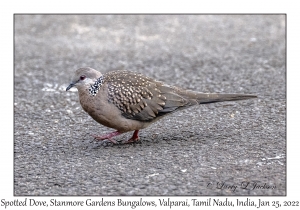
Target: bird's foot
<point x="134" y="138"/>
<point x="131" y="140"/>
<point x="108" y="137"/>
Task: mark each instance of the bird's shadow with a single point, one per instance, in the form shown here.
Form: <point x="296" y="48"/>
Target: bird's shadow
<point x="149" y="139"/>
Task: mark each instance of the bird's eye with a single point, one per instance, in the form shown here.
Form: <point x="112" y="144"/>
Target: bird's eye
<point x="82" y="77"/>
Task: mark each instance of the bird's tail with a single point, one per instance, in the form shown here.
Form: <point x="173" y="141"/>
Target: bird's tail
<point x="204" y="98"/>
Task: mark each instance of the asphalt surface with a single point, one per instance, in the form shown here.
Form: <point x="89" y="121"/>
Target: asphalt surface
<point x="203" y="150"/>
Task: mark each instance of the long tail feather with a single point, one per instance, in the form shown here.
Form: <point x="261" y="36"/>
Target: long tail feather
<point x="204" y="98"/>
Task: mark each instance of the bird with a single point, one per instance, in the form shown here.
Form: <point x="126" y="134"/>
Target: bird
<point x="129" y="101"/>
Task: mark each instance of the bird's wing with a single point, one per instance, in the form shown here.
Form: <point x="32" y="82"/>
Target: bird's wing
<point x="141" y="98"/>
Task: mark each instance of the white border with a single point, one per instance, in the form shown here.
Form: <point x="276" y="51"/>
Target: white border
<point x="154" y="6"/>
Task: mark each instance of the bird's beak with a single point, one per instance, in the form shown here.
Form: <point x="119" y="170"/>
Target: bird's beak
<point x="70" y="86"/>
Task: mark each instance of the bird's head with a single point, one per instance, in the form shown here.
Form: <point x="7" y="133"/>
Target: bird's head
<point x="84" y="78"/>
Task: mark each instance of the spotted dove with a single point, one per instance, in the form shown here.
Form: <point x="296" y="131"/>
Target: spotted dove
<point x="129" y="101"/>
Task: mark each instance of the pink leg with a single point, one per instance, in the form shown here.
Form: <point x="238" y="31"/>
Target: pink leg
<point x="108" y="136"/>
<point x="134" y="138"/>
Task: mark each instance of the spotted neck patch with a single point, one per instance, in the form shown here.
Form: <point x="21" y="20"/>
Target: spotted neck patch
<point x="93" y="90"/>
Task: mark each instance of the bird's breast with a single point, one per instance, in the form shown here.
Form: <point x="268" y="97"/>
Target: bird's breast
<point x="106" y="113"/>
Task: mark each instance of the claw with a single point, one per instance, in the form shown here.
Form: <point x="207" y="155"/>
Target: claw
<point x="113" y="141"/>
<point x="134" y="138"/>
<point x="108" y="137"/>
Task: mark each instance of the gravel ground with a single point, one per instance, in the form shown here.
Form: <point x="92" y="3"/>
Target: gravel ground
<point x="204" y="150"/>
